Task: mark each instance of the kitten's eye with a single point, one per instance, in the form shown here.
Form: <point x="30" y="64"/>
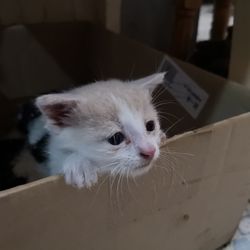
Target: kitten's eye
<point x="116" y="139"/>
<point x="150" y="126"/>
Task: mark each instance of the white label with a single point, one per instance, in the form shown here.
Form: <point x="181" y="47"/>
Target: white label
<point x="188" y="93"/>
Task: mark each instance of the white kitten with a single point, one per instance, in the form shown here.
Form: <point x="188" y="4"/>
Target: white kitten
<point x="104" y="127"/>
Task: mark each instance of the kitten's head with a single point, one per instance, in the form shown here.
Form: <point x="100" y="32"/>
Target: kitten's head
<point x="111" y="124"/>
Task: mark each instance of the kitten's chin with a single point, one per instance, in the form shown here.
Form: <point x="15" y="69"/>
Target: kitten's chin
<point x="141" y="170"/>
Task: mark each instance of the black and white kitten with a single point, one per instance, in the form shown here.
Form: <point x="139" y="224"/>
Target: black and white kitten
<point x="106" y="127"/>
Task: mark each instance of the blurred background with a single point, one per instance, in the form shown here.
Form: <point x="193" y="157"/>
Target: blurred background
<point x="193" y="30"/>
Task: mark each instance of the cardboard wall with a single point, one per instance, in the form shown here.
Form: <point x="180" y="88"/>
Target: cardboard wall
<point x="37" y="58"/>
<point x="156" y="212"/>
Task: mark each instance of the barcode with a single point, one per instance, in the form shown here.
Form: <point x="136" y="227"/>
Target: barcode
<point x="187" y="92"/>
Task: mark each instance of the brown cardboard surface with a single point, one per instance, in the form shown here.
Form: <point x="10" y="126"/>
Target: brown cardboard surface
<point x="193" y="197"/>
<point x="152" y="214"/>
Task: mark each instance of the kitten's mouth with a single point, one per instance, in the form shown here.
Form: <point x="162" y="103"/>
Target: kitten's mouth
<point x="145" y="164"/>
<point x="142" y="166"/>
<point x="142" y="169"/>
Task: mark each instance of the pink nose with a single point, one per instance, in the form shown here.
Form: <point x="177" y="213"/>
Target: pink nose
<point x="147" y="153"/>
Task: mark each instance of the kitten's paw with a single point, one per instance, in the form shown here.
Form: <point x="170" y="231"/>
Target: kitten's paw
<point x="79" y="176"/>
<point x="80" y="179"/>
<point x="76" y="180"/>
<point x="90" y="178"/>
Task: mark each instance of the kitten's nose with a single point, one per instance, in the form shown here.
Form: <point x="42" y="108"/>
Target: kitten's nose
<point x="147" y="153"/>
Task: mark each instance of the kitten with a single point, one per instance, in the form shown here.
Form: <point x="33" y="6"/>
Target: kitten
<point x="107" y="127"/>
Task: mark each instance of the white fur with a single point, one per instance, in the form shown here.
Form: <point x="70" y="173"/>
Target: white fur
<point x="81" y="150"/>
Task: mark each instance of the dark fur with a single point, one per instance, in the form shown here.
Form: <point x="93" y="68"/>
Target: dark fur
<point x="38" y="150"/>
<point x="11" y="148"/>
<point x="27" y="114"/>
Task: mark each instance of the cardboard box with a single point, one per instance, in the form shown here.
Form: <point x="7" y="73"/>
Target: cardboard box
<point x="194" y="196"/>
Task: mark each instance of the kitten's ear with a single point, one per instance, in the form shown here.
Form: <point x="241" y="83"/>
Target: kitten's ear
<point x="60" y="110"/>
<point x="151" y="82"/>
